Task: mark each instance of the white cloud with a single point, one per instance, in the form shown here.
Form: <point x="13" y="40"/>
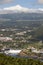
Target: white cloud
<point x="5" y="1"/>
<point x="40" y="1"/>
<point x="19" y="9"/>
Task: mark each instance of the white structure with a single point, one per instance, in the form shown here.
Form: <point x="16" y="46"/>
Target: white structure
<point x="15" y="52"/>
<point x="34" y="50"/>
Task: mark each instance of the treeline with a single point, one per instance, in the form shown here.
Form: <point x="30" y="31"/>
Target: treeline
<point x="8" y="60"/>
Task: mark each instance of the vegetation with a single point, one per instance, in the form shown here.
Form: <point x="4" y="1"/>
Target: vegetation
<point x="8" y="60"/>
<point x="39" y="33"/>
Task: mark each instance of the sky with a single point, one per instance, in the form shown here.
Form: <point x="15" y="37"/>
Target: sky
<point x="24" y="3"/>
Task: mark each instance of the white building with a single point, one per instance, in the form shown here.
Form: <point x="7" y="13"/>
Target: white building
<point x="11" y="51"/>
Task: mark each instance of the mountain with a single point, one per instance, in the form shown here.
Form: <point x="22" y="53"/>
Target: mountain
<point x="19" y="9"/>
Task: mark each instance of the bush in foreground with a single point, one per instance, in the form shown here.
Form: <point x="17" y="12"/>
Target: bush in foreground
<point x="8" y="60"/>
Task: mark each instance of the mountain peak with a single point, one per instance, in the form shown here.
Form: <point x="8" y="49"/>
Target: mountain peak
<point x="19" y="9"/>
<point x="18" y="6"/>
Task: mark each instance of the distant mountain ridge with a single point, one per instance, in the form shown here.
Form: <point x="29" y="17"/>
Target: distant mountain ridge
<point x="23" y="16"/>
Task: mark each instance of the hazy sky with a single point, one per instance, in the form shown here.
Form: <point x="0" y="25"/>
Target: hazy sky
<point x="24" y="3"/>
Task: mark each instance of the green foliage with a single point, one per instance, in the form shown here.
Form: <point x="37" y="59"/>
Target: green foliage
<point x="39" y="33"/>
<point x="8" y="60"/>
